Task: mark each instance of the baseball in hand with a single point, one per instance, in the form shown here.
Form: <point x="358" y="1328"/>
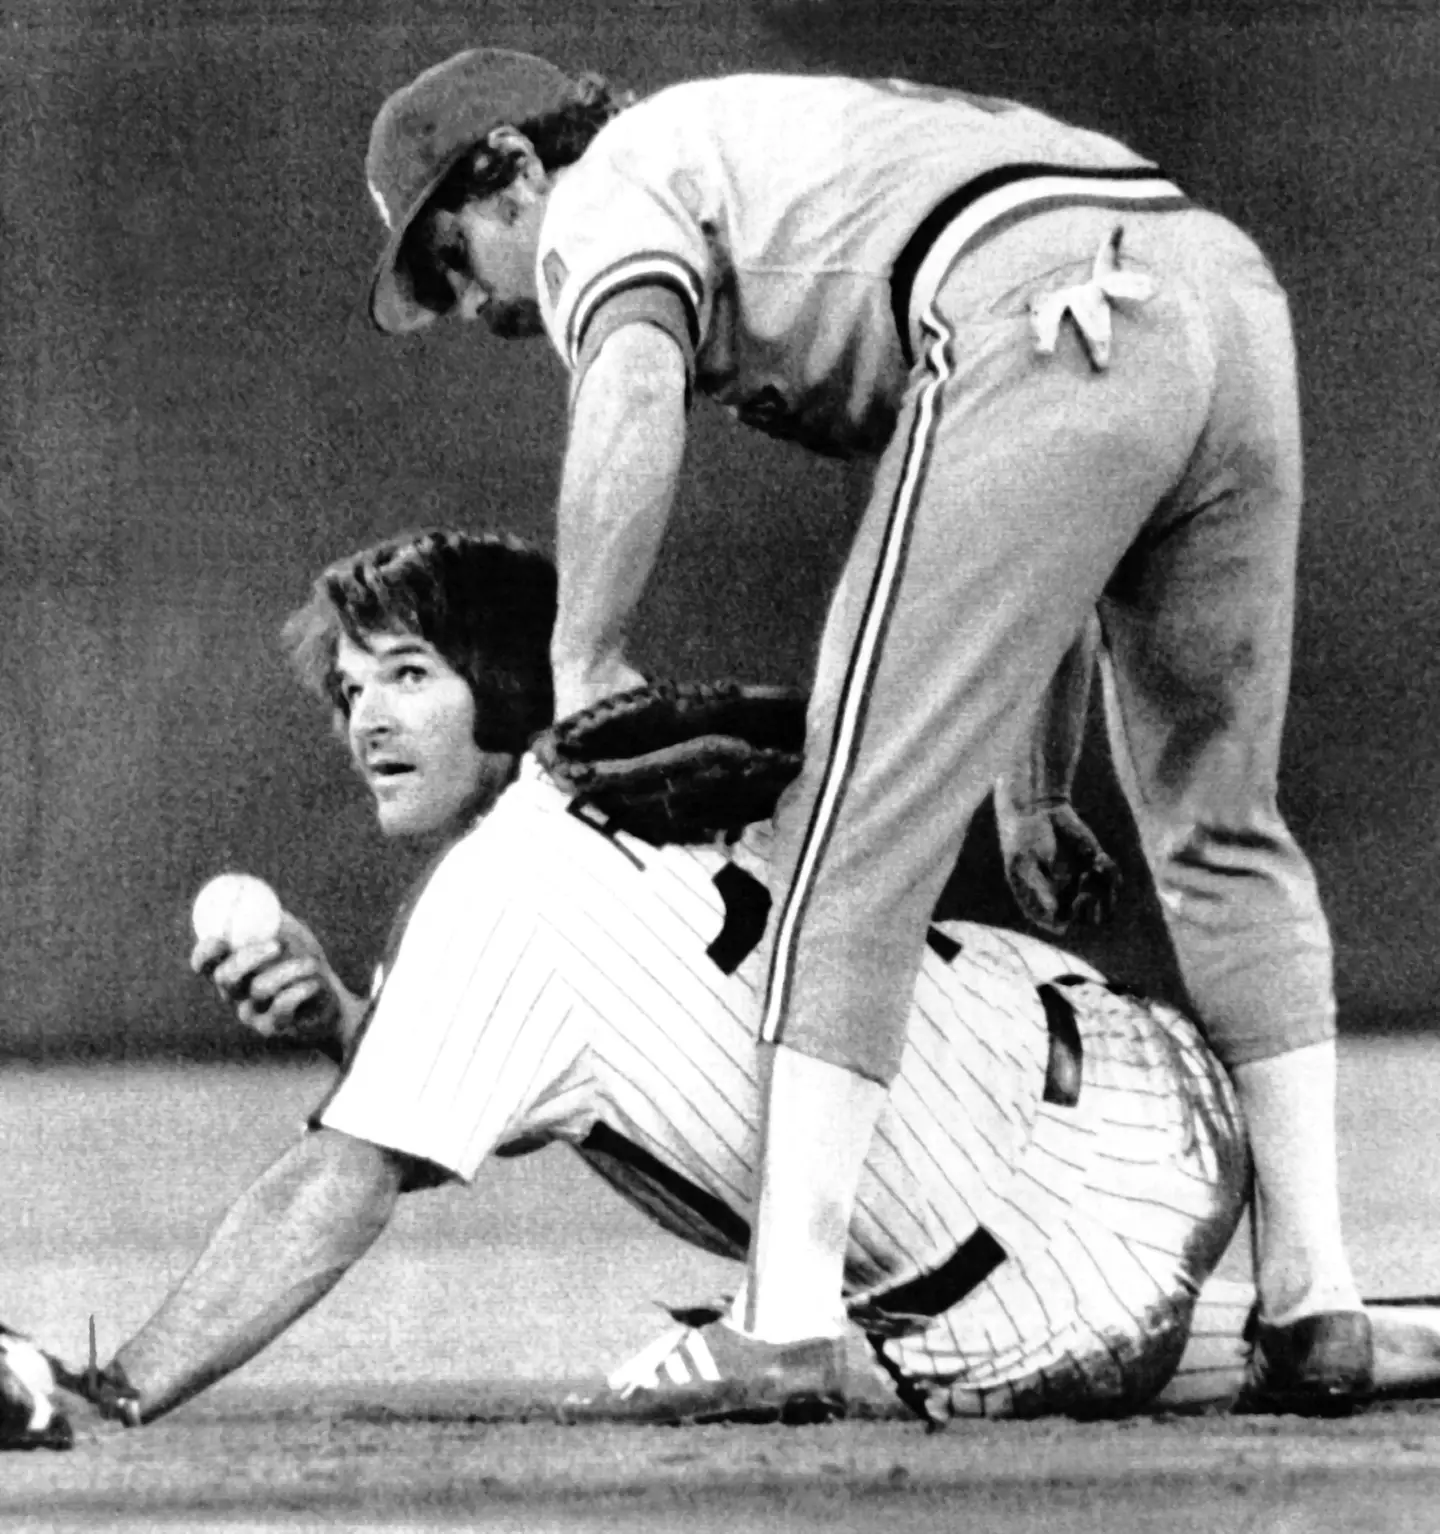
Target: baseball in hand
<point x="238" y="908"/>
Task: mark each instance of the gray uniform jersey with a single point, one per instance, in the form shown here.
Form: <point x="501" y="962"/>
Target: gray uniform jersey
<point x="759" y="220"/>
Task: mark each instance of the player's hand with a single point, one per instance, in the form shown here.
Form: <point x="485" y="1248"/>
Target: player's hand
<point x="1060" y="875"/>
<point x="282" y="988"/>
<point x="578" y="686"/>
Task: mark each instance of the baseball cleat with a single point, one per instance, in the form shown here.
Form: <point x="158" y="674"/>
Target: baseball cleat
<point x="29" y="1417"/>
<point x="1319" y="1366"/>
<point x="712" y="1373"/>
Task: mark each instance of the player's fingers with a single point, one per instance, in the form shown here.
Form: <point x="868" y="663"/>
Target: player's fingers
<point x="1084" y="910"/>
<point x="234" y="976"/>
<point x="1098" y="895"/>
<point x="256" y="1020"/>
<point x="308" y="1004"/>
<point x="1108" y="899"/>
<point x="298" y="994"/>
<point x="207" y="953"/>
<point x="270" y="983"/>
<point x="1035" y="893"/>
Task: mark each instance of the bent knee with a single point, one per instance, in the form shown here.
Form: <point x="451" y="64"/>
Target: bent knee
<point x="1234" y="869"/>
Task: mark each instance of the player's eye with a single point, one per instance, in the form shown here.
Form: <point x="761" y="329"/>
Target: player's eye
<point x="454" y="256"/>
<point x="441" y="246"/>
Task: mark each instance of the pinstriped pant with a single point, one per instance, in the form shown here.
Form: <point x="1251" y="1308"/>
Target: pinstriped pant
<point x="1020" y="491"/>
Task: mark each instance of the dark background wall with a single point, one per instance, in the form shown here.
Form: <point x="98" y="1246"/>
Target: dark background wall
<point x="196" y="417"/>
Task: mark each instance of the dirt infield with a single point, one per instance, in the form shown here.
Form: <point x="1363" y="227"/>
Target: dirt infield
<point x="420" y="1394"/>
<point x="439" y="1465"/>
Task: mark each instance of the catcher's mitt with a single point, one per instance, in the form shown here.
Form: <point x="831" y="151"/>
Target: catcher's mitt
<point x="681" y="761"/>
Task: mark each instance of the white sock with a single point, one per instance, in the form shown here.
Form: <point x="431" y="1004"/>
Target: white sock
<point x="817" y="1122"/>
<point x="1289" y="1106"/>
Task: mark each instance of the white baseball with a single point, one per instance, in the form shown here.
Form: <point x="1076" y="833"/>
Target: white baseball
<point x="238" y="908"/>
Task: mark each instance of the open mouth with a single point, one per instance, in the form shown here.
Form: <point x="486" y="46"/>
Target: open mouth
<point x="388" y="772"/>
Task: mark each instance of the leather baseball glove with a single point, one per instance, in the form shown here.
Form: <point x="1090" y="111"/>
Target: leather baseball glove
<point x="681" y="761"/>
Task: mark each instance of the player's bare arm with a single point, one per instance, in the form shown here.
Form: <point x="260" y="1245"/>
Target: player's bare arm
<point x="1046" y="772"/>
<point x="1060" y="875"/>
<point x="468" y="205"/>
<point x="282" y="1246"/>
<point x="627" y="440"/>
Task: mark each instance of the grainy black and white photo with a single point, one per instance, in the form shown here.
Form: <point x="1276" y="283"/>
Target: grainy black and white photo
<point x="718" y="792"/>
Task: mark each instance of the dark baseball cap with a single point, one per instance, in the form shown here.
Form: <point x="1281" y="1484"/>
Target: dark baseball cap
<point x="421" y="134"/>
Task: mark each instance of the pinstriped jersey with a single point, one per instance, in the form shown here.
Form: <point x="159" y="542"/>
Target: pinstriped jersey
<point x="757" y="219"/>
<point x="559" y="981"/>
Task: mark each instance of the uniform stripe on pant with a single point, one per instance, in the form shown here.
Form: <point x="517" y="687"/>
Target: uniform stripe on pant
<point x="850" y="716"/>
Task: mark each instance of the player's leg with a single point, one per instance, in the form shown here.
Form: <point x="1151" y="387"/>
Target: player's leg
<point x="975" y="1362"/>
<point x="1216" y="1365"/>
<point x="1198" y="625"/>
<point x="1077" y="1329"/>
<point x="1124" y="1198"/>
<point x="1013" y="487"/>
<point x="1407" y="1345"/>
<point x="1236" y="946"/>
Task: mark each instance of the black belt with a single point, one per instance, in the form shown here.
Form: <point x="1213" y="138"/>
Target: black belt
<point x="917" y="247"/>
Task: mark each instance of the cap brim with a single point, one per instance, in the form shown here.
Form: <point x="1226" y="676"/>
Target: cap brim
<point x="394" y="309"/>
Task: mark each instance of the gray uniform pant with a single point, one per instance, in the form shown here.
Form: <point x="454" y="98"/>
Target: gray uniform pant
<point x="1021" y="490"/>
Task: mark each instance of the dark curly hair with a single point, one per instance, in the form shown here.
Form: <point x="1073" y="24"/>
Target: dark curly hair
<point x="559" y="138"/>
<point x="486" y="601"/>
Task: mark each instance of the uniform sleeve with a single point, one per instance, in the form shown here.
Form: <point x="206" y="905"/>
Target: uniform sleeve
<point x="622" y="245"/>
<point x="474" y="1039"/>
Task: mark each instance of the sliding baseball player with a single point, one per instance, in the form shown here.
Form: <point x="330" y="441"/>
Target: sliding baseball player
<point x="1058" y="1169"/>
<point x="1053" y="1178"/>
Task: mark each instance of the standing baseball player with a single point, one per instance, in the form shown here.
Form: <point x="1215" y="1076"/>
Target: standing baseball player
<point x="1078" y="389"/>
<point x="1056" y="1170"/>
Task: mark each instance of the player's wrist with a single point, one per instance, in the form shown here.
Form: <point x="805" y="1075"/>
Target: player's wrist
<point x="102" y="1395"/>
<point x="1020" y="804"/>
<point x="583" y="678"/>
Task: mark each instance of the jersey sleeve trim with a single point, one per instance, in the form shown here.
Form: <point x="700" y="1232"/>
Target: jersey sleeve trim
<point x="644" y="302"/>
<point x="657" y="268"/>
